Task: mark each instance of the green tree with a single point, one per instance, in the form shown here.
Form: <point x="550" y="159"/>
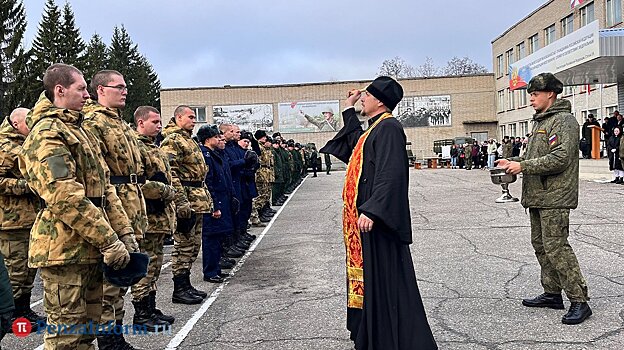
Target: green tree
<point x="11" y="51"/>
<point x="71" y="45"/>
<point x="96" y="57"/>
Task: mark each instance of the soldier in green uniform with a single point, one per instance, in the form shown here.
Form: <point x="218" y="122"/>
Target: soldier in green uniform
<point x="189" y="171"/>
<point x="159" y="195"/>
<point x="278" y="172"/>
<point x="468" y="156"/>
<point x="550" y="169"/>
<point x="63" y="164"/>
<point x="287" y="169"/>
<point x="18" y="209"/>
<point x="121" y="152"/>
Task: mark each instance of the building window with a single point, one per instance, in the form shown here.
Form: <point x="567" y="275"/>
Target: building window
<point x="587" y="14"/>
<point x="500" y="66"/>
<point x="522" y="98"/>
<point x="503" y="131"/>
<point x="549" y="35"/>
<point x="524" y="129"/>
<point x="533" y="44"/>
<point x="614" y="12"/>
<point x="501" y="101"/>
<point x="512" y="130"/>
<point x="510" y="100"/>
<point x="610" y="110"/>
<point x="200" y="114"/>
<point x="520" y="51"/>
<point x="509" y="55"/>
<point x="567" y="25"/>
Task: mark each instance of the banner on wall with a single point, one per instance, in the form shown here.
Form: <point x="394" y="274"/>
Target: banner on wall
<point x="247" y="117"/>
<point x="309" y="116"/>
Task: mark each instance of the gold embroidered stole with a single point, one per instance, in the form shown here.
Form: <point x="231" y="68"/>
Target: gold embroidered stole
<point x="350" y="215"/>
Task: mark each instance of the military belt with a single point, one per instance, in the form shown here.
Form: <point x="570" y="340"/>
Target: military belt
<point x="192" y="183"/>
<point x="130" y="179"/>
<point x="99" y="202"/>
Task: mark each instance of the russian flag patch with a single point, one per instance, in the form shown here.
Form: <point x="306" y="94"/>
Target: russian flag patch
<point x="552" y="140"/>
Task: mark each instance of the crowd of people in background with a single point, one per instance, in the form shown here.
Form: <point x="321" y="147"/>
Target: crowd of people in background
<point x="482" y="155"/>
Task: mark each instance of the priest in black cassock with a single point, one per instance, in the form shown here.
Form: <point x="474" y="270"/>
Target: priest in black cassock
<point x="384" y="307"/>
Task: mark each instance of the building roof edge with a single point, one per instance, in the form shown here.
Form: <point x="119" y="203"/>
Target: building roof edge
<point x="522" y="20"/>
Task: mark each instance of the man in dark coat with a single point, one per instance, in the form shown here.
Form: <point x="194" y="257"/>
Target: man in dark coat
<point x="6" y="300"/>
<point x="218" y="224"/>
<point x="384" y="309"/>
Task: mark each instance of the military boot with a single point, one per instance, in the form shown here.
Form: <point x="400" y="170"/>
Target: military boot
<point x="158" y="313"/>
<point x="192" y="289"/>
<point x="225" y="264"/>
<point x="264" y="218"/>
<point x="256" y="222"/>
<point x="120" y="341"/>
<point x="577" y="313"/>
<point x="181" y="294"/>
<point x="145" y="317"/>
<point x="553" y="301"/>
<point x="107" y="342"/>
<point x="22" y="309"/>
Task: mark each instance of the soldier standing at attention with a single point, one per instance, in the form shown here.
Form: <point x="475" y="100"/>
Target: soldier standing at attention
<point x="121" y="153"/>
<point x="18" y="209"/>
<point x="468" y="155"/>
<point x="265" y="176"/>
<point x="550" y="189"/>
<point x="63" y="165"/>
<point x="159" y="195"/>
<point x="189" y="170"/>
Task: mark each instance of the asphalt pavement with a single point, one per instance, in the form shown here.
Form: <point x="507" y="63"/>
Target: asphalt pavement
<point x="472" y="257"/>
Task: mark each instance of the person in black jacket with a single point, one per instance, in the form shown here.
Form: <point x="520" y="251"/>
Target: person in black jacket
<point x="613" y="149"/>
<point x="6" y="300"/>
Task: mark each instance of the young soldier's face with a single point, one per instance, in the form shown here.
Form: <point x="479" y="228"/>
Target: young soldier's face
<point x="540" y="100"/>
<point x="152" y="125"/>
<point x="75" y="95"/>
<point x="113" y="95"/>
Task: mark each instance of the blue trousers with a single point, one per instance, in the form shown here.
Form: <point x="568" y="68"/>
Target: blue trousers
<point x="211" y="253"/>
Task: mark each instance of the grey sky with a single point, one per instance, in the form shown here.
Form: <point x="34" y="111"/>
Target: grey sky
<point x="247" y="42"/>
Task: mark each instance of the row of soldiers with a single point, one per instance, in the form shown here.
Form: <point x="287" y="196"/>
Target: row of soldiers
<point x="79" y="186"/>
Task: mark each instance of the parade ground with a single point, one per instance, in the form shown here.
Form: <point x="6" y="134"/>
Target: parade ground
<point x="473" y="260"/>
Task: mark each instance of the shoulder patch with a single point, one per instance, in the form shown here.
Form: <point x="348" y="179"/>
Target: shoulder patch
<point x="58" y="167"/>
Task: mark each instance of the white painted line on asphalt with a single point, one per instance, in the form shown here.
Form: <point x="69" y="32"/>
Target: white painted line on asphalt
<point x="188" y="327"/>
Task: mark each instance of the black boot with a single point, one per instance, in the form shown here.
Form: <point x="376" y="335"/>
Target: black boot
<point x="22" y="309"/>
<point x="619" y="180"/>
<point x="107" y="342"/>
<point x="577" y="313"/>
<point x="224" y="264"/>
<point x="181" y="294"/>
<point x="120" y="341"/>
<point x="192" y="289"/>
<point x="553" y="301"/>
<point x="158" y="313"/>
<point x="264" y="218"/>
<point x="143" y="316"/>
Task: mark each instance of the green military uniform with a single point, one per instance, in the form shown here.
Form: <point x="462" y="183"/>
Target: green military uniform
<point x="550" y="189"/>
<point x="278" y="175"/>
<point x="160" y="215"/>
<point x="507" y="149"/>
<point x="121" y="153"/>
<point x="63" y="165"/>
<point x="189" y="171"/>
<point x="468" y="157"/>
<point x="264" y="180"/>
<point x="18" y="210"/>
<point x="287" y="168"/>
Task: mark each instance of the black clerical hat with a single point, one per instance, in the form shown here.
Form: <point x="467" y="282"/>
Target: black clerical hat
<point x="386" y="90"/>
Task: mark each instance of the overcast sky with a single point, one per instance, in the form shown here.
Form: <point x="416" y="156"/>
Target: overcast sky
<point x="248" y="42"/>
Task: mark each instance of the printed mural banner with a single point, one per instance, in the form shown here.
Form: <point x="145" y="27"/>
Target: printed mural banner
<point x="423" y="111"/>
<point x="247" y="117"/>
<point x="315" y="116"/>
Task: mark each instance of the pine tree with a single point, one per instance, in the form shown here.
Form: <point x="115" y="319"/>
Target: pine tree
<point x="142" y="81"/>
<point x="96" y="57"/>
<point x="11" y="51"/>
<point x="71" y="45"/>
<point x="45" y="51"/>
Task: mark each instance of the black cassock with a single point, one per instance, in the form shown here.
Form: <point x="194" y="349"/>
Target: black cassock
<point x="393" y="316"/>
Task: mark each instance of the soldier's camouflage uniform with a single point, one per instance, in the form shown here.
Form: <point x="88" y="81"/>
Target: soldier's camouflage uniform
<point x="468" y="156"/>
<point x="121" y="153"/>
<point x="550" y="189"/>
<point x="189" y="171"/>
<point x="18" y="209"/>
<point x="63" y="165"/>
<point x="160" y="215"/>
<point x="264" y="180"/>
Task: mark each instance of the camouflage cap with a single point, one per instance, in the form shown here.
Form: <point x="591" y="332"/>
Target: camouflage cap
<point x="545" y="82"/>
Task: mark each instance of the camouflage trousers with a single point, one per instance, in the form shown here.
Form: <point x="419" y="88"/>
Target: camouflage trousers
<point x="186" y="248"/>
<point x="559" y="267"/>
<point x="264" y="196"/>
<point x="468" y="163"/>
<point x="14" y="247"/>
<point x="152" y="245"/>
<point x="112" y="303"/>
<point x="72" y="295"/>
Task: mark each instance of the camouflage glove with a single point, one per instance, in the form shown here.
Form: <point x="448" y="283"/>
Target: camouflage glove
<point x="116" y="255"/>
<point x="184" y="212"/>
<point x="167" y="193"/>
<point x="130" y="242"/>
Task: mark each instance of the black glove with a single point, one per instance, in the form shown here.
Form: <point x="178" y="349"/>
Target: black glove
<point x="251" y="158"/>
<point x="185" y="225"/>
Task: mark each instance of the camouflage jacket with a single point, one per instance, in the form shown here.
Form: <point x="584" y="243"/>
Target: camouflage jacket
<point x="63" y="165"/>
<point x="507" y="149"/>
<point x="18" y="207"/>
<point x="265" y="173"/>
<point x="158" y="163"/>
<point x="187" y="164"/>
<point x="550" y="166"/>
<point x="468" y="151"/>
<point x="121" y="152"/>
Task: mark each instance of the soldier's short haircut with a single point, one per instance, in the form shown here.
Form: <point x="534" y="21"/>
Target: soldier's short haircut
<point x="58" y="74"/>
<point x="180" y="109"/>
<point x="142" y="113"/>
<point x="224" y="127"/>
<point x="102" y="77"/>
